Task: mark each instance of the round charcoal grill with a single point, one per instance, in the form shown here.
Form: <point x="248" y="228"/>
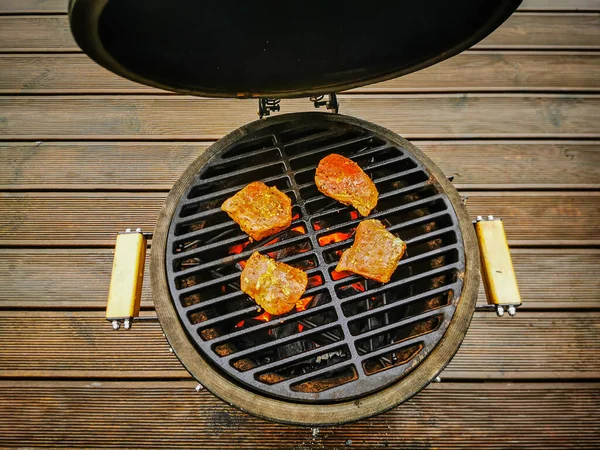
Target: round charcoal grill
<point x="348" y="336"/>
<point x="351" y="348"/>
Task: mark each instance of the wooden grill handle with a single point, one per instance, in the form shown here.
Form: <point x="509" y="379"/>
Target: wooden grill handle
<point x="125" y="292"/>
<point x="497" y="270"/>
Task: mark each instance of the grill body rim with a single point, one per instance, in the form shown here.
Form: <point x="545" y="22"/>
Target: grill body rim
<point x="311" y="414"/>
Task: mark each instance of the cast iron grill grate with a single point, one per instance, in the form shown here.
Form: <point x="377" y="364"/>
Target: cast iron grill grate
<point x="348" y="336"/>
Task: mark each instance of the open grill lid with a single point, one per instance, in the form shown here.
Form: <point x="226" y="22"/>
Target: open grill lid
<point x="276" y="49"/>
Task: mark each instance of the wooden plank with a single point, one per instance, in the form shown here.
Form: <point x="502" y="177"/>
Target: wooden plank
<point x="84" y="219"/>
<point x="560" y="5"/>
<point x="156" y="165"/>
<point x="98" y="165"/>
<point x="33" y="6"/>
<point x="467" y="72"/>
<point x="79" y="278"/>
<point x="543" y="345"/>
<point x="36" y="34"/>
<point x="523" y="30"/>
<point x="60" y="6"/>
<point x="173" y="415"/>
<point x="59" y="278"/>
<point x="546" y="31"/>
<point x="426" y="116"/>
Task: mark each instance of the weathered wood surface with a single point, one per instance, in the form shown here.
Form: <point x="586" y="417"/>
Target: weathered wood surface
<point x="60" y="6"/>
<point x="84" y="154"/>
<point x="150" y="414"/>
<point x="156" y="165"/>
<point x="532" y="345"/>
<point x="75" y="218"/>
<point x="548" y="278"/>
<point x="523" y="30"/>
<point x="426" y="116"/>
<point x="489" y="71"/>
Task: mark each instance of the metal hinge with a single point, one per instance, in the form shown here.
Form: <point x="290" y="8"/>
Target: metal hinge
<point x="268" y="105"/>
<point x="331" y="103"/>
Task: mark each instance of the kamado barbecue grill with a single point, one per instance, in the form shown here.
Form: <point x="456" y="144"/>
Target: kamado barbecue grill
<point x="351" y="348"/>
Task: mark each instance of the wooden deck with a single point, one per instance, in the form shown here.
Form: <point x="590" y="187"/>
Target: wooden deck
<point x="83" y="154"/>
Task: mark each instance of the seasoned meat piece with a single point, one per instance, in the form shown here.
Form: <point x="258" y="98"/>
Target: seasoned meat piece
<point x="342" y="179"/>
<point x="259" y="210"/>
<point x="375" y="252"/>
<point x="275" y="286"/>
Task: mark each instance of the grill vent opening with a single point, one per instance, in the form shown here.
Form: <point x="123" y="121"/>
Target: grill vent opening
<point x="347" y="336"/>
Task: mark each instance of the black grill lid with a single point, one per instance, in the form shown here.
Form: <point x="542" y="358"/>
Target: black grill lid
<point x="275" y="48"/>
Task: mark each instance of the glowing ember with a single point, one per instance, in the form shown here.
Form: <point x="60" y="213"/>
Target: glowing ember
<point x="358" y="286"/>
<point x="238" y="248"/>
<point x="335" y="275"/>
<point x="240" y="324"/>
<point x="300" y="328"/>
<point x="264" y="317"/>
<point x="303" y="304"/>
<point x="316" y="226"/>
<point x="296" y="216"/>
<point x="332" y="238"/>
<point x="316" y="280"/>
<point x="299" y="229"/>
<point x="354" y="215"/>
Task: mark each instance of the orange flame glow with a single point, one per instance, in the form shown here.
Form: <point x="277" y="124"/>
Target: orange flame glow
<point x="264" y="317"/>
<point x="335" y="275"/>
<point x="358" y="286"/>
<point x="302" y="304"/>
<point x="354" y="215"/>
<point x="238" y="248"/>
<point x="299" y="229"/>
<point x="334" y="237"/>
<point x="240" y="324"/>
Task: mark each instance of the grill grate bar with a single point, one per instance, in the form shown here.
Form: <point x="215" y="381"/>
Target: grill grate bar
<point x="330" y="368"/>
<point x="292" y="359"/>
<point x="282" y="341"/>
<point x="213" y="302"/>
<point x="228" y="191"/>
<point x="405" y="301"/>
<point x="271" y="324"/>
<point x="207" y="214"/>
<point x="395" y="284"/>
<point x="397" y="227"/>
<point x="403" y="262"/>
<point x="399" y="324"/>
<point x="236" y="315"/>
<point x="314" y="137"/>
<point x="237" y="173"/>
<point x="360" y="325"/>
<point x="332" y="147"/>
<point x="319" y="254"/>
<point x="427" y="236"/>
<point x="239" y="294"/>
<point x="393" y="193"/>
<point x="387" y="212"/>
<point x="211" y="283"/>
<point x="429" y="336"/>
<point x="233" y="258"/>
